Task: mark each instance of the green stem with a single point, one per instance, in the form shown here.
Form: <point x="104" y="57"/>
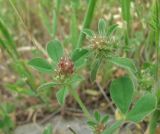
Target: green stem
<point x="156" y="115"/>
<point x="79" y="101"/>
<point x="126" y="38"/>
<point x="87" y="21"/>
<point x="153" y="122"/>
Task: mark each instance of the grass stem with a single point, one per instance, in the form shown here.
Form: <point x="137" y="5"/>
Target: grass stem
<point x="87" y="21"/>
<point x="154" y="120"/>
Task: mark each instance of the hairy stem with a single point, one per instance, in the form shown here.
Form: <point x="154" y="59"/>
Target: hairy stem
<point x="81" y="104"/>
<point x="87" y="21"/>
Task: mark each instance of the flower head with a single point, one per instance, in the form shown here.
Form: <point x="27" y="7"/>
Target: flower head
<point x="66" y="66"/>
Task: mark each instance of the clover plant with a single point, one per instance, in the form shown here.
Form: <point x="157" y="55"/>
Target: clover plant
<point x="102" y="46"/>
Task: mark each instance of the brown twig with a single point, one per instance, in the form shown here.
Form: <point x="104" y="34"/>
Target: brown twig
<point x="105" y="96"/>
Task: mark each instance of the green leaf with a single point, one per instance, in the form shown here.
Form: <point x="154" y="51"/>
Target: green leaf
<point x="21" y="91"/>
<point x="48" y="129"/>
<point x="54" y="24"/>
<point x="6" y="34"/>
<point x="55" y="50"/>
<point x="124" y="63"/>
<point x="78" y="53"/>
<point x="45" y="19"/>
<point x="61" y="95"/>
<point x="58" y="4"/>
<point x="142" y="108"/>
<point x="6" y="123"/>
<point x="94" y="69"/>
<point x="2" y="43"/>
<point x="111" y="29"/>
<point x="113" y="128"/>
<point x="89" y="33"/>
<point x="80" y="63"/>
<point x="121" y="91"/>
<point x="7" y="108"/>
<point x="74" y="26"/>
<point x="105" y="118"/>
<point x="102" y="27"/>
<point x="91" y="123"/>
<point x="97" y="116"/>
<point x="155" y="19"/>
<point x="76" y="4"/>
<point x="47" y="85"/>
<point x="125" y="6"/>
<point x="7" y="48"/>
<point x="75" y="80"/>
<point x="7" y="41"/>
<point x="41" y="65"/>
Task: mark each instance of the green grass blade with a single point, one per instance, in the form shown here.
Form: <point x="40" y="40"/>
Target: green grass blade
<point x="87" y="21"/>
<point x="74" y="27"/>
<point x="9" y="42"/>
<point x="125" y="6"/>
<point x="45" y="20"/>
